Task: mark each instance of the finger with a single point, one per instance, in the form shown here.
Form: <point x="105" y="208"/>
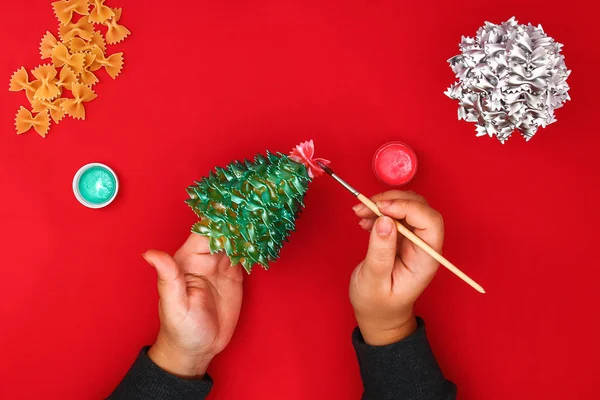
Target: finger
<point x="381" y="255"/>
<point x="367" y="223"/>
<point x="224" y="266"/>
<point x="363" y="211"/>
<point x="195" y="244"/>
<point x="398" y="194"/>
<point x="424" y="269"/>
<point x="171" y="282"/>
<point x="427" y="222"/>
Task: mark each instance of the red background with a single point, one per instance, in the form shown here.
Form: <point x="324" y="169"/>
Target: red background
<point x="208" y="82"/>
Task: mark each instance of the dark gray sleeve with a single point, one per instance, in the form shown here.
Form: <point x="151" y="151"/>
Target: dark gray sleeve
<point x="146" y="381"/>
<point x="406" y="370"/>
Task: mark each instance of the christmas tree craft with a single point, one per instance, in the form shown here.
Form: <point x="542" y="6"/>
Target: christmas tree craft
<point x="249" y="208"/>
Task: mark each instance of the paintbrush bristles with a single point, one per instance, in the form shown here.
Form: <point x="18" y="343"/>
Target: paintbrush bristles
<point x="325" y="168"/>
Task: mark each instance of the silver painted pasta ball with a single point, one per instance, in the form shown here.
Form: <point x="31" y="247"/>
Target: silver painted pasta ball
<point x="510" y="77"/>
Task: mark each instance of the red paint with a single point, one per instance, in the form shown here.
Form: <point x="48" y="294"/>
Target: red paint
<point x="208" y="82"/>
<point x="395" y="163"/>
<point x="304" y="153"/>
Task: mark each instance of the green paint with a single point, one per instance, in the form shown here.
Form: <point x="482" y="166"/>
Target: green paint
<point x="97" y="185"/>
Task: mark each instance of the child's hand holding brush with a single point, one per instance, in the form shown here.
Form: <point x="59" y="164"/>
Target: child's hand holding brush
<point x="395" y="271"/>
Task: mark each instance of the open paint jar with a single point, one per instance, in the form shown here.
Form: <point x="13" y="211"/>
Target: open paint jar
<point x="395" y="163"/>
<point x="95" y="185"/>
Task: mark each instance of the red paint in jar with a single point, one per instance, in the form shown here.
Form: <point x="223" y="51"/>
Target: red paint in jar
<point x="395" y="163"/>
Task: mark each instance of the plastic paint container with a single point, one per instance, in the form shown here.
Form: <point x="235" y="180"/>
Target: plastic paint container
<point x="95" y="185"/>
<point x="395" y="163"/>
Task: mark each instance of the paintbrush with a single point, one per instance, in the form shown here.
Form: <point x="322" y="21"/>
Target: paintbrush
<point x="405" y="231"/>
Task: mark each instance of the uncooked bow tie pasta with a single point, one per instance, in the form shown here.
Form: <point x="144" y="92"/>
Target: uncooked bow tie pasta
<point x="47" y="44"/>
<point x="100" y="13"/>
<point x="79" y="45"/>
<point x="74" y="107"/>
<point x="115" y="32"/>
<point x="46" y="74"/>
<point x="61" y="88"/>
<point x="62" y="57"/>
<point x="56" y="111"/>
<point x="87" y="77"/>
<point x="64" y="9"/>
<point x="67" y="78"/>
<point x="20" y="81"/>
<point x="25" y="121"/>
<point x="82" y="28"/>
<point x="113" y="64"/>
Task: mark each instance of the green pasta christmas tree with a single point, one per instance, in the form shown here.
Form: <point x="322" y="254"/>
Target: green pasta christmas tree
<point x="249" y="208"/>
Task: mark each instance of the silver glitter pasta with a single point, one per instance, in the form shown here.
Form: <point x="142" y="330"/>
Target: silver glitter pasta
<point x="510" y="76"/>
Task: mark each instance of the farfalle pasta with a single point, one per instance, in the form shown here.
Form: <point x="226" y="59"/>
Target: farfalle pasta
<point x="24" y="121"/>
<point x="98" y="40"/>
<point x="67" y="78"/>
<point x="113" y="64"/>
<point x="74" y="107"/>
<point x="115" y="32"/>
<point x="100" y="13"/>
<point x="78" y="45"/>
<point x="87" y="77"/>
<point x="64" y="9"/>
<point x="48" y="43"/>
<point x="20" y="81"/>
<point x="82" y="28"/>
<point x="62" y="57"/>
<point x="78" y="54"/>
<point x="46" y="75"/>
<point x="56" y="111"/>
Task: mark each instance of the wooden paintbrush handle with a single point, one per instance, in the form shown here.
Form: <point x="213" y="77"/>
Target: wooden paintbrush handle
<point x="424" y="246"/>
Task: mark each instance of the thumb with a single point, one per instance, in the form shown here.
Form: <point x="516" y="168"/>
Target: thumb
<point x="381" y="254"/>
<point x="171" y="283"/>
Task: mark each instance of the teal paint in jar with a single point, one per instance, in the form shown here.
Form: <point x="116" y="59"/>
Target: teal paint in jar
<point x="95" y="185"/>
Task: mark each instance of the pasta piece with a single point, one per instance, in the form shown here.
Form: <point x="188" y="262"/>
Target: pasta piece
<point x="48" y="90"/>
<point x="56" y="111"/>
<point x="24" y="121"/>
<point x="82" y="28"/>
<point x="31" y="95"/>
<point x="47" y="44"/>
<point x="20" y="81"/>
<point x="98" y="40"/>
<point x="76" y="54"/>
<point x="116" y="32"/>
<point x="113" y="64"/>
<point x="88" y="77"/>
<point x="61" y="56"/>
<point x="67" y="78"/>
<point x="78" y="45"/>
<point x="100" y="13"/>
<point x="74" y="107"/>
<point x="64" y="9"/>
